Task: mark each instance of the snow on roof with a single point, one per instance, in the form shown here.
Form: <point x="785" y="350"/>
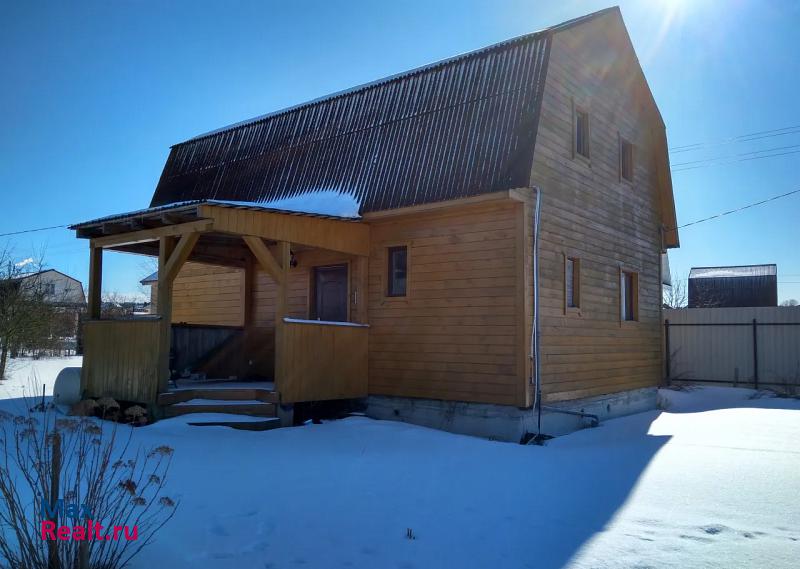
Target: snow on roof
<point x="731" y="272"/>
<point x="320" y="203"/>
<point x="333" y="203"/>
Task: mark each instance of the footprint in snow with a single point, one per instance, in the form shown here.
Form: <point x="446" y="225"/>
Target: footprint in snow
<point x="714" y="529"/>
<point x="696" y="538"/>
<point x="219" y="530"/>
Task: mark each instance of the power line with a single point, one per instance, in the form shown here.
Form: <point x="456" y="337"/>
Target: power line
<point x="722" y="161"/>
<point x="33" y="230"/>
<point x="738" y="209"/>
<point x="740" y="155"/>
<point x="759" y="135"/>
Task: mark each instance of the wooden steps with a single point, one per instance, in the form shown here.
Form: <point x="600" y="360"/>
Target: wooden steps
<point x="218" y="393"/>
<point x="265" y="425"/>
<point x="238" y="407"/>
<point x="217" y="406"/>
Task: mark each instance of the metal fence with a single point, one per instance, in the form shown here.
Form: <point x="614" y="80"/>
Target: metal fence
<point x="751" y="347"/>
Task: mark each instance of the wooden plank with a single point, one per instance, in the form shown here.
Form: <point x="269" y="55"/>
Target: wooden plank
<point x="264" y="257"/>
<point x="178" y="257"/>
<point x="133" y="237"/>
<point x="344" y="236"/>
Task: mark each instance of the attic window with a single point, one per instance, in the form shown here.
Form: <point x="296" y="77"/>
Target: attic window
<point x="625" y="160"/>
<point x="581" y="133"/>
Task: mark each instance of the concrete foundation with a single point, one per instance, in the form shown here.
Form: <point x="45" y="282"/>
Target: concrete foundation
<point x="505" y="423"/>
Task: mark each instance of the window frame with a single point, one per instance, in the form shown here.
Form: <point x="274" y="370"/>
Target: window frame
<point x="634" y="288"/>
<point x="576" y="284"/>
<point x="577" y="111"/>
<point x="387" y="289"/>
<point x="623" y="142"/>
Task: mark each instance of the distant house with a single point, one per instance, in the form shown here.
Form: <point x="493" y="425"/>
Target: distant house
<point x="151" y="281"/>
<point x="740" y="286"/>
<point x="66" y="294"/>
<point x="504" y="249"/>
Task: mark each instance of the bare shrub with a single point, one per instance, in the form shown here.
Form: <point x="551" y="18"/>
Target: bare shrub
<point x="100" y="478"/>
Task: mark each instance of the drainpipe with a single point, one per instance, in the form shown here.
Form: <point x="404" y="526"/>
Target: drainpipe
<point x="535" y="329"/>
<point x="536" y="344"/>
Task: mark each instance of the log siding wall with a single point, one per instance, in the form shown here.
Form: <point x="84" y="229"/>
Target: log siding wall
<point x="455" y="335"/>
<point x="588" y="212"/>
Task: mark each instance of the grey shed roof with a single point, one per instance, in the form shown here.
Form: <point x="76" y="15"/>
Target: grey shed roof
<point x="735" y="271"/>
<point x="150" y="279"/>
<point x="457" y="128"/>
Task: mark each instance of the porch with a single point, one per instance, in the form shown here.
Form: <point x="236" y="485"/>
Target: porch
<point x="303" y="356"/>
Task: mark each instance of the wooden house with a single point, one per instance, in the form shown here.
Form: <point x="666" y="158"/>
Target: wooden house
<point x="66" y="297"/>
<point x="520" y="187"/>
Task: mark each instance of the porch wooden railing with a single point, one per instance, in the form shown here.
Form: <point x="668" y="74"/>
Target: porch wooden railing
<point x="318" y="361"/>
<point x="121" y="359"/>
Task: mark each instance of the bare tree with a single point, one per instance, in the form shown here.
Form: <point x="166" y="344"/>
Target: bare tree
<point x="26" y="309"/>
<point x="675" y="295"/>
<point x="790" y="302"/>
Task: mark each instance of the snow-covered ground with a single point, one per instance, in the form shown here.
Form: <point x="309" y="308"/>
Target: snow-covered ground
<point x="711" y="481"/>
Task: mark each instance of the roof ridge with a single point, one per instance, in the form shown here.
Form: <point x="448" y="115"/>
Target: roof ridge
<point x="405" y="74"/>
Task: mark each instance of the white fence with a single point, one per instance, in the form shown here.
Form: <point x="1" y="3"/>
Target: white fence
<point x="751" y="347"/>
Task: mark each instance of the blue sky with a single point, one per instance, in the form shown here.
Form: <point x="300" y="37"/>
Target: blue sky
<point x="94" y="94"/>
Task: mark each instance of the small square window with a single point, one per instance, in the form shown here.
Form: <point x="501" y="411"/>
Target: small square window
<point x="50" y="289"/>
<point x="629" y="296"/>
<point x="625" y="160"/>
<point x="397" y="271"/>
<point x="582" y="133"/>
<point x="572" y="282"/>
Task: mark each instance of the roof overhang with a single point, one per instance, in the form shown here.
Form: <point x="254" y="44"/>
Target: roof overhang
<point x="221" y="226"/>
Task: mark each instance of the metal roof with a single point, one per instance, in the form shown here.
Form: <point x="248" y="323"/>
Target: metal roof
<point x="732" y="272"/>
<point x="457" y="128"/>
<point x="150" y="279"/>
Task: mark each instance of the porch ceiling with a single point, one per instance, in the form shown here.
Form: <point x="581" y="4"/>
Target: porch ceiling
<point x="221" y="227"/>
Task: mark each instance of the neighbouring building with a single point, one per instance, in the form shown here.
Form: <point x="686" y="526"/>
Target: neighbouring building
<point x="66" y="295"/>
<point x="399" y="244"/>
<point x="151" y="281"/>
<point x="727" y="287"/>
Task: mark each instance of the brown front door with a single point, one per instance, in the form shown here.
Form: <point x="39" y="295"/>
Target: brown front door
<point x="330" y="293"/>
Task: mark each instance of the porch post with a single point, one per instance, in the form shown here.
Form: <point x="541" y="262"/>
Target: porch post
<point x="95" y="281"/>
<point x="247" y="292"/>
<point x="281" y="299"/>
<point x="360" y="292"/>
<point x="281" y="309"/>
<point x="166" y="245"/>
